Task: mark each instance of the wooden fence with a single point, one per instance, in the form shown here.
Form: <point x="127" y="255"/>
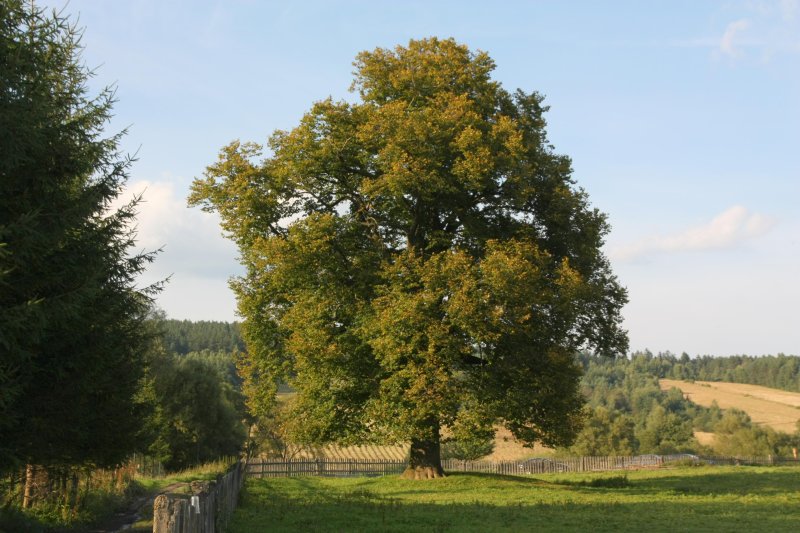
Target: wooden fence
<point x="324" y="467"/>
<point x="259" y="468"/>
<point x="769" y="460"/>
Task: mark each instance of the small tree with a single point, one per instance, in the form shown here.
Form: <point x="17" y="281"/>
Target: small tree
<point x="417" y="251"/>
<point x="606" y="432"/>
<point x="72" y="343"/>
<point x="194" y="416"/>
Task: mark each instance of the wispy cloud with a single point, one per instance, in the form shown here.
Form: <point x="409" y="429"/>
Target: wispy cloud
<point x="763" y="30"/>
<point x="726" y="230"/>
<point x="191" y="240"/>
<point x="728" y="43"/>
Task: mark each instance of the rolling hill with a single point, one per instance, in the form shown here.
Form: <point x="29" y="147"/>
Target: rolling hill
<point x="775" y="408"/>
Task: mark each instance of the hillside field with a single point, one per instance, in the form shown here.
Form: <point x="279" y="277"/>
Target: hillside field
<point x="679" y="499"/>
<point x="775" y="408"/>
<point x="506" y="448"/>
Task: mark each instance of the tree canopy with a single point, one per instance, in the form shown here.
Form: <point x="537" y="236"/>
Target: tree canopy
<point x="194" y="416"/>
<point x="71" y="334"/>
<point x="416" y="258"/>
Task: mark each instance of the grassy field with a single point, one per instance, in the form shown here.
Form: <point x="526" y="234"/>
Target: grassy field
<point x="775" y="408"/>
<point x="681" y="499"/>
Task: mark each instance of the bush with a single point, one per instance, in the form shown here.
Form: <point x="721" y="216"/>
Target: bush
<point x="615" y="482"/>
<point x="467" y="450"/>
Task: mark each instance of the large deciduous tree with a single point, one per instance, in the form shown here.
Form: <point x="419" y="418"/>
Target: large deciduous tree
<point x="418" y="258"/>
<point x="72" y="344"/>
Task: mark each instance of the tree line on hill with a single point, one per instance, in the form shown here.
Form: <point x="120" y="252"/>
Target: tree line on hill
<point x="185" y="336"/>
<point x="198" y="405"/>
<point x="776" y="371"/>
<point x="628" y="413"/>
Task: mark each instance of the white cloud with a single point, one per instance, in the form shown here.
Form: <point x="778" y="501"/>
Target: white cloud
<point x="728" y="43"/>
<point x="763" y="31"/>
<point x="195" y="254"/>
<point x="728" y="229"/>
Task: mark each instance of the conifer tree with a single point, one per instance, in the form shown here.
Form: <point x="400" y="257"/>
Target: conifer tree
<point x="72" y="343"/>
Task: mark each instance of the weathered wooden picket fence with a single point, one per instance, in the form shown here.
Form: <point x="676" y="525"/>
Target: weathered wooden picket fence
<point x="260" y="468"/>
<point x="324" y="467"/>
<point x="205" y="510"/>
<point x="766" y="460"/>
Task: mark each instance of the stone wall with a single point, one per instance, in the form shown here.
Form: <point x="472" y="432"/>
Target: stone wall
<point x="206" y="509"/>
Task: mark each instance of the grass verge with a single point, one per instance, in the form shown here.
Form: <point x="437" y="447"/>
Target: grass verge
<point x="99" y="504"/>
<point x="204" y="472"/>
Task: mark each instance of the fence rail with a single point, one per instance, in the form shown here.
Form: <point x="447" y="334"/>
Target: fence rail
<point x="259" y="468"/>
<point x="324" y="467"/>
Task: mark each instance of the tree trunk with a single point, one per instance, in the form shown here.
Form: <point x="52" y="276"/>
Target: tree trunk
<point x="73" y="493"/>
<point x="27" y="494"/>
<point x="425" y="460"/>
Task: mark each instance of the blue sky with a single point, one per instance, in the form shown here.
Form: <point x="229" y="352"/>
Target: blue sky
<point x="682" y="120"/>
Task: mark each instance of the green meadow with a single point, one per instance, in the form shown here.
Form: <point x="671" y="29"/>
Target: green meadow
<point x="765" y="499"/>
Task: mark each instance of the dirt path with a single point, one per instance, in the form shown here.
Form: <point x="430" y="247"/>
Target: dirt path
<point x="123" y="520"/>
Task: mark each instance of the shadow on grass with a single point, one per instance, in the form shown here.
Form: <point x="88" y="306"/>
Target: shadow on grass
<point x="743" y="482"/>
<point x="390" y="516"/>
<point x="697" y="501"/>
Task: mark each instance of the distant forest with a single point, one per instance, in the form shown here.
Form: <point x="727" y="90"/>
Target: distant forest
<point x="776" y="371"/>
<point x="184" y="336"/>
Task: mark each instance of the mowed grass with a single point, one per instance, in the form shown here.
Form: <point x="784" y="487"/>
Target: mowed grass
<point x="682" y="499"/>
<point x="778" y="409"/>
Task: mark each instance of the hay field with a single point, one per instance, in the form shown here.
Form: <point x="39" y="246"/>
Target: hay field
<point x="705" y="438"/>
<point x="775" y="408"/>
<point x="505" y="449"/>
<point x="340" y="453"/>
<point x="508" y="449"/>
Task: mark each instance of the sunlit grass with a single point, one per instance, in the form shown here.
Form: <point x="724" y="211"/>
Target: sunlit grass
<point x="684" y="499"/>
<point x="204" y="472"/>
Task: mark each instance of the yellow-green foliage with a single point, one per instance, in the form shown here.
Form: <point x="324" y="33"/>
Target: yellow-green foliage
<point x="413" y="252"/>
